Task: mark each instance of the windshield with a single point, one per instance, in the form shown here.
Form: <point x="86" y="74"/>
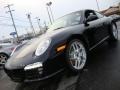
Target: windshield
<point x="65" y="21"/>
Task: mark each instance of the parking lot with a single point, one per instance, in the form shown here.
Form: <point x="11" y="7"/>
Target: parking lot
<point x="102" y="73"/>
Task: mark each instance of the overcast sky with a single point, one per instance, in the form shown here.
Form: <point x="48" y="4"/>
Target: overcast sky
<point x="37" y="8"/>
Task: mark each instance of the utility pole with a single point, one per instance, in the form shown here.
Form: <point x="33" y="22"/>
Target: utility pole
<point x="29" y="18"/>
<point x="98" y="5"/>
<point x="38" y="21"/>
<point x="10" y="11"/>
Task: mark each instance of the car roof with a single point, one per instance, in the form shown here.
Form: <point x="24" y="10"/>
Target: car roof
<point x="75" y="12"/>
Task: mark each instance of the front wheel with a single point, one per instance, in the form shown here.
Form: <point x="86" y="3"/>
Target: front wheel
<point x="76" y="55"/>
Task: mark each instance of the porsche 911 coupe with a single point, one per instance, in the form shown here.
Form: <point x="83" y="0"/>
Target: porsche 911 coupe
<point x="66" y="44"/>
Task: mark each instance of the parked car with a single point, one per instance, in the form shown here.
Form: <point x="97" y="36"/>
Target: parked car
<point x="5" y="51"/>
<point x="20" y="45"/>
<point x="66" y="44"/>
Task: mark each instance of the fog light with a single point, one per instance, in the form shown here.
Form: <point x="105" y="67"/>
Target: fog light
<point x="40" y="70"/>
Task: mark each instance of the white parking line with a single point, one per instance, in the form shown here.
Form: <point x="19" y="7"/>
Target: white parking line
<point x="67" y="82"/>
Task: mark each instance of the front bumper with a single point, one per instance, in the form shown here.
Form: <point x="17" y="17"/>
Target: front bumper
<point x="43" y="78"/>
<point x="19" y="75"/>
<point x="49" y="69"/>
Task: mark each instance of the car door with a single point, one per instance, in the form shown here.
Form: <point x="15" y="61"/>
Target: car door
<point x="105" y="26"/>
<point x="93" y="29"/>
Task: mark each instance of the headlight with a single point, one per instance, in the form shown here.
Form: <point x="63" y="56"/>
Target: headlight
<point x="33" y="66"/>
<point x="42" y="47"/>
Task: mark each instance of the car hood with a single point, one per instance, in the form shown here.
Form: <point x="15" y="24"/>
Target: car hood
<point x="30" y="47"/>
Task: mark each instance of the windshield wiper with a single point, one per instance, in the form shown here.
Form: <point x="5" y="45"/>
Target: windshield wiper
<point x="58" y="28"/>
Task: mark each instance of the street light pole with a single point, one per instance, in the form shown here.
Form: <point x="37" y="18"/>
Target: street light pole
<point x="49" y="6"/>
<point x="98" y="5"/>
<point x="49" y="15"/>
<point x="29" y="18"/>
<point x="38" y="21"/>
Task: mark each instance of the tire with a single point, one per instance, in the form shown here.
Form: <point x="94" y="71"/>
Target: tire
<point x="113" y="33"/>
<point x="76" y="56"/>
<point x="3" y="59"/>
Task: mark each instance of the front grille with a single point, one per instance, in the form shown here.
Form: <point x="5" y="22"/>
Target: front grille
<point x="20" y="75"/>
<point x="33" y="74"/>
<point x="16" y="74"/>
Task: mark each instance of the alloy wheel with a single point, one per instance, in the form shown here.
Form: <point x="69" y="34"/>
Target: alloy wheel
<point x="115" y="32"/>
<point x="3" y="59"/>
<point x="77" y="55"/>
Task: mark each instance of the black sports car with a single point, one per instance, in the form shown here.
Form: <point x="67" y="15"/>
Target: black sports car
<point x="65" y="45"/>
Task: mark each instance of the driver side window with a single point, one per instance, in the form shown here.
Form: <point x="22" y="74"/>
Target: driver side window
<point x="89" y="14"/>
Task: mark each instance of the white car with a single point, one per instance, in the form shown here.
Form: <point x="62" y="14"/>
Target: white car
<point x="5" y="51"/>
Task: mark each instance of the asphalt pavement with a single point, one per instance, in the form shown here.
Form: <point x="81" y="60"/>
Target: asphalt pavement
<point x="102" y="73"/>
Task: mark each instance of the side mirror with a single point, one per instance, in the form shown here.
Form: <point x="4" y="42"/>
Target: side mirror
<point x="90" y="18"/>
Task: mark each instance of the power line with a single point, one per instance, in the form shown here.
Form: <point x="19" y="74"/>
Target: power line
<point x="21" y="20"/>
<point x="5" y="17"/>
<point x="4" y="24"/>
<point x="14" y="19"/>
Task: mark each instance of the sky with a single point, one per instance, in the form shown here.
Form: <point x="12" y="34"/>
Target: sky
<point x="37" y="8"/>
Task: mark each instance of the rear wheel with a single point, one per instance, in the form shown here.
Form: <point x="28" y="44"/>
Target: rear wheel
<point x="114" y="33"/>
<point x="76" y="55"/>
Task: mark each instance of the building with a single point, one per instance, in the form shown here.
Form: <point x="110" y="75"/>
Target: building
<point x="112" y="10"/>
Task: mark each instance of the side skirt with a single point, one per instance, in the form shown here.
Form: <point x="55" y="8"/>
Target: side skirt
<point x="99" y="43"/>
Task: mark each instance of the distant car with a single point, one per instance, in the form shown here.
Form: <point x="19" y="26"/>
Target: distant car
<point x="20" y="45"/>
<point x="66" y="44"/>
<point x="5" y="51"/>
